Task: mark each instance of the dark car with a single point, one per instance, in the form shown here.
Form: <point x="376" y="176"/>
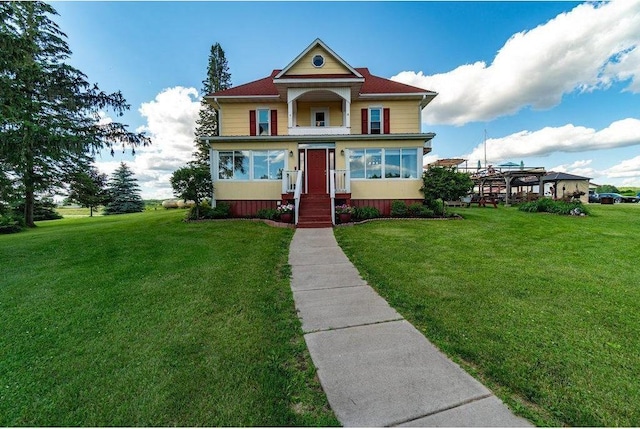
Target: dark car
<point x="617" y="198"/>
<point x="593" y="197"/>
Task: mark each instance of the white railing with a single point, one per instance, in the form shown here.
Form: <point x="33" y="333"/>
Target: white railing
<point x="332" y="194"/>
<point x="342" y="181"/>
<point x="289" y="178"/>
<point x="319" y="131"/>
<point x="297" y="194"/>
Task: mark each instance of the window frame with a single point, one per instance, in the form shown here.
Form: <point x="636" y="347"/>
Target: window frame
<point x="383" y="154"/>
<point x="251" y="165"/>
<point x="315" y="110"/>
<point x="258" y="122"/>
<point x="380" y="121"/>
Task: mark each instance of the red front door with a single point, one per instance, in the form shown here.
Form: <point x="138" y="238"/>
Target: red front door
<point x="316" y="171"/>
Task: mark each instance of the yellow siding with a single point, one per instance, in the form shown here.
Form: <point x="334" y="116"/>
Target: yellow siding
<point x="304" y="65"/>
<point x="405" y="117"/>
<point x="386" y="189"/>
<point x="235" y="117"/>
<point x="236" y="190"/>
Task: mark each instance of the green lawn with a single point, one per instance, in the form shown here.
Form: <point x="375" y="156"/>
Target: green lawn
<point x="144" y="320"/>
<point x="543" y="309"/>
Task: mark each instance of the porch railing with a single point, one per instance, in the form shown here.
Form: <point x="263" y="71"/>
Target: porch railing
<point x="342" y="181"/>
<point x="332" y="194"/>
<point x="296" y="195"/>
<point x="289" y="178"/>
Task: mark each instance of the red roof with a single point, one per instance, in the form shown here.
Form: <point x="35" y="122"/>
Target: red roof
<point x="258" y="87"/>
<point x="372" y="85"/>
<point x="379" y="85"/>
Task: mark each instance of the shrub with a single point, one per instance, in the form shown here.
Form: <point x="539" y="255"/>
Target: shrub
<point x="398" y="209"/>
<point x="437" y="206"/>
<point x="420" y="210"/>
<point x="220" y="211"/>
<point x="267" y="214"/>
<point x="366" y="212"/>
<point x="9" y="224"/>
<point x="547" y="205"/>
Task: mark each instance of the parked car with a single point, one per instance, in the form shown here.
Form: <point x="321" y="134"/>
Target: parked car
<point x="617" y="198"/>
<point x="593" y="197"/>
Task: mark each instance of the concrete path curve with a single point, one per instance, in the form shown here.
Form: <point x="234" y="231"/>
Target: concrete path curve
<point x="375" y="367"/>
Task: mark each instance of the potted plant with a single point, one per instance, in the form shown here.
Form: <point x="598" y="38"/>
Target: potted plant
<point x="344" y="212"/>
<point x="285" y="212"/>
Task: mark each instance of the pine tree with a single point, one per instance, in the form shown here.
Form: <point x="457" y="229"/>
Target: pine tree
<point x="49" y="112"/>
<point x="124" y="192"/>
<point x="218" y="79"/>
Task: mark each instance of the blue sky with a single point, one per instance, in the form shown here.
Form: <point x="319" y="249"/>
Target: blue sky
<point x="554" y="84"/>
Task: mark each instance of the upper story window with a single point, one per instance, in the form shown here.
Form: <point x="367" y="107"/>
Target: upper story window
<point x="263" y="122"/>
<point x="317" y="60"/>
<point x="320" y="118"/>
<point x="375" y="120"/>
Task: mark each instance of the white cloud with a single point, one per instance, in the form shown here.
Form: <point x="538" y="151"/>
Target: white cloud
<point x="171" y="120"/>
<point x="585" y="49"/>
<point x="579" y="168"/>
<point x="568" y="138"/>
<point x="628" y="169"/>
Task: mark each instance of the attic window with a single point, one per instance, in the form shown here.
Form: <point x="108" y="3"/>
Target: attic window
<point x="318" y="61"/>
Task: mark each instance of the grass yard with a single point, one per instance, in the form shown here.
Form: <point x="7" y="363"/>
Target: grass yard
<point x="543" y="309"/>
<point x="143" y="320"/>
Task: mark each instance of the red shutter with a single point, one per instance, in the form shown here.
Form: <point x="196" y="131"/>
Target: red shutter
<point x="274" y="122"/>
<point x="365" y="121"/>
<point x="387" y="120"/>
<point x="252" y="122"/>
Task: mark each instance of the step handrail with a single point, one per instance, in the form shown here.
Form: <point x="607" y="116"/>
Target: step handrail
<point x="332" y="193"/>
<point x="297" y="194"/>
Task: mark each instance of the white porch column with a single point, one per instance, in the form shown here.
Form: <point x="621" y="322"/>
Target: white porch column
<point x="290" y="115"/>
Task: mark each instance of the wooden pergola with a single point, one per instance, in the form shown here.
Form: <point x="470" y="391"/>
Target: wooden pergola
<point x="507" y="178"/>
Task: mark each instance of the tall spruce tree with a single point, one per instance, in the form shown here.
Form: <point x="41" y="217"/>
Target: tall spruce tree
<point x="218" y="79"/>
<point x="124" y="192"/>
<point x="49" y="112"/>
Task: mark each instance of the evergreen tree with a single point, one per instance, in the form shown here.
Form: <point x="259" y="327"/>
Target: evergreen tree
<point x="218" y="79"/>
<point x="88" y="188"/>
<point x="124" y="192"/>
<point x="49" y="112"/>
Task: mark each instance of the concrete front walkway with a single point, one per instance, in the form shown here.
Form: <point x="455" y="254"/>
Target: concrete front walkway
<point x="375" y="367"/>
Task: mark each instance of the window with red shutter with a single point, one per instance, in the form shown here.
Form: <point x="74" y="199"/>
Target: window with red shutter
<point x="274" y="123"/>
<point x="387" y="120"/>
<point x="365" y="121"/>
<point x="252" y="122"/>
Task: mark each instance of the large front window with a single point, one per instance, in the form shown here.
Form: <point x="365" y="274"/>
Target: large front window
<point x="268" y="164"/>
<point x="388" y="163"/>
<point x="251" y="165"/>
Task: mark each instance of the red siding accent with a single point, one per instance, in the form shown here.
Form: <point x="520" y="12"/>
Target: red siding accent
<point x="249" y="208"/>
<point x="252" y="122"/>
<point x="274" y="122"/>
<point x="386" y="114"/>
<point x="365" y="121"/>
<point x="383" y="205"/>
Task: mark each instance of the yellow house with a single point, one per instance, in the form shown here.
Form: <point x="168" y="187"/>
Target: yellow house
<point x="318" y="133"/>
